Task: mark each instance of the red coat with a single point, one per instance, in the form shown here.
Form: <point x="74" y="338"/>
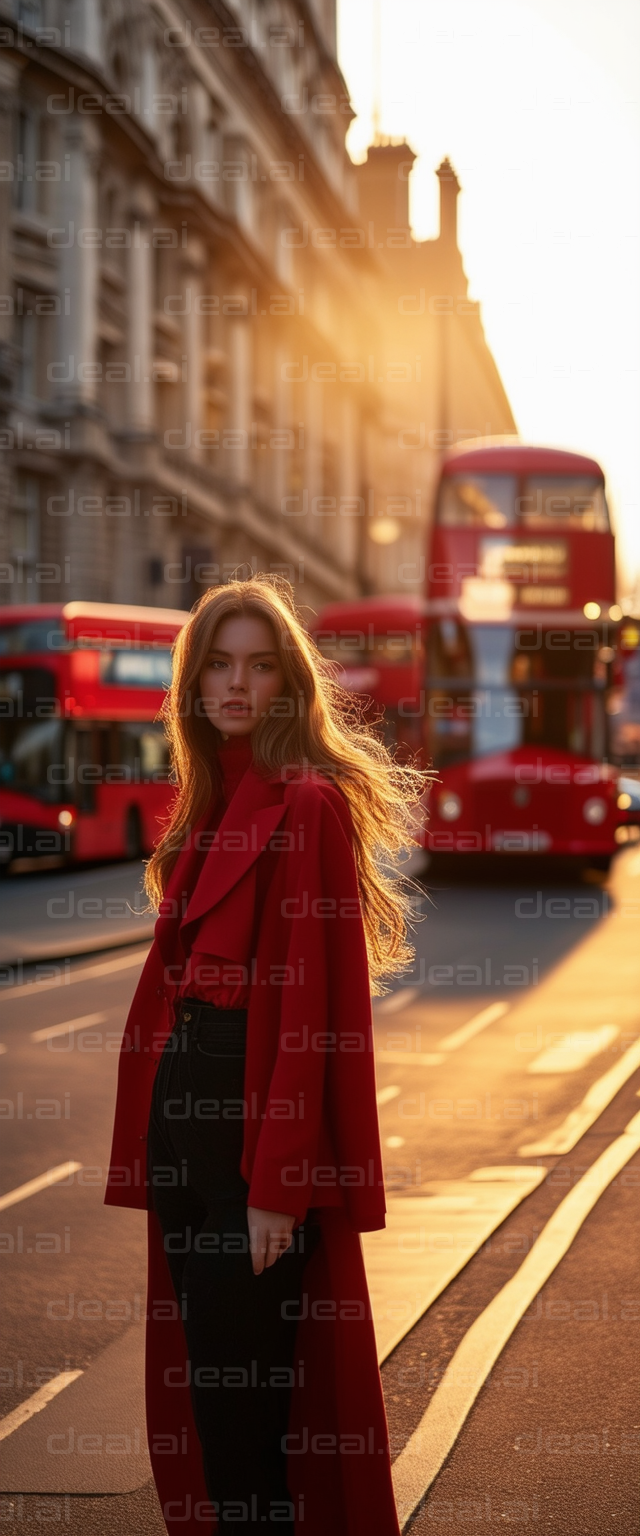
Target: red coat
<point x="311" y="1137"/>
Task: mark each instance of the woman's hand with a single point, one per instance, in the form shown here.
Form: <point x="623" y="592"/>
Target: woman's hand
<point x="269" y="1236"/>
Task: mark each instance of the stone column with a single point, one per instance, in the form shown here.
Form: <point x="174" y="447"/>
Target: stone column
<point x="348" y="522"/>
<point x="313" y="425"/>
<point x="10" y="72"/>
<point x="193" y="266"/>
<point x="240" y="386"/>
<point x="283" y="422"/>
<point x="141" y="306"/>
<point x="76" y="239"/>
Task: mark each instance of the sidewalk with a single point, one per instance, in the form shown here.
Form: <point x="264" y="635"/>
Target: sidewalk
<point x="43" y="917"/>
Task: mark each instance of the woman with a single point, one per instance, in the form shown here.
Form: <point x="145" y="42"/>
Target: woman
<point x="246" y="1115"/>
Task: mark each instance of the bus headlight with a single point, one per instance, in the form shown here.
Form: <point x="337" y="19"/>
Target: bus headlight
<point x="594" y="810"/>
<point x="628" y="794"/>
<point x="65" y="818"/>
<point x="449" y="805"/>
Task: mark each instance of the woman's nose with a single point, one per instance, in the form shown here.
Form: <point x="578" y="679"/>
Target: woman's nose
<point x="238" y="679"/>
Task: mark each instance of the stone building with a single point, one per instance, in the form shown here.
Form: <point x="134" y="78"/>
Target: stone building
<point x="441" y="384"/>
<point x="219" y="345"/>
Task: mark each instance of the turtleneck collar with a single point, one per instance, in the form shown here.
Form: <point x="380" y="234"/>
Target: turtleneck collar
<point x="235" y="756"/>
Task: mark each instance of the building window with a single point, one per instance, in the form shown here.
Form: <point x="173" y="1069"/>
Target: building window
<point x="24" y="538"/>
<point x="29" y="13"/>
<point x="32" y="170"/>
<point x="26" y="348"/>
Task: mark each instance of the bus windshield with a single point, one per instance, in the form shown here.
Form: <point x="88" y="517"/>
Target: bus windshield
<point x="537" y="502"/>
<point x="491" y="689"/>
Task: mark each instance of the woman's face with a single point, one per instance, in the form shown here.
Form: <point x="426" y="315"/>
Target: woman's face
<point x="242" y="674"/>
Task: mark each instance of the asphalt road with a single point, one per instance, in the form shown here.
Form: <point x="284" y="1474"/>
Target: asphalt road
<point x="551" y="1440"/>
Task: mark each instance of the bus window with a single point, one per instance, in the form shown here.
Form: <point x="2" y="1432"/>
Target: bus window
<point x="144" y="751"/>
<point x="136" y="669"/>
<point x="31" y="757"/>
<point x="31" y="635"/>
<point x="562" y="501"/>
<point x="477" y="501"/>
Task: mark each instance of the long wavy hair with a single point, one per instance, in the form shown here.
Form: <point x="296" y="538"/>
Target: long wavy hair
<point x="324" y="731"/>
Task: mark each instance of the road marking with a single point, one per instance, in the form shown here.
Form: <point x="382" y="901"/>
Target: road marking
<point x="400" y="999"/>
<point x="385" y="1095"/>
<point x="595" y="1100"/>
<point x="573" y="1051"/>
<point x="33" y="1186"/>
<point x="35" y="1403"/>
<point x="428" y="1239"/>
<point x="478" y="1022"/>
<point x="409" y="1058"/>
<point x="420" y="1461"/>
<point x="26" y="989"/>
<point x="394" y="1142"/>
<point x="70" y="1026"/>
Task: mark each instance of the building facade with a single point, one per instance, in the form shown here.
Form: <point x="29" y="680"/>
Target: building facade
<point x="220" y="347"/>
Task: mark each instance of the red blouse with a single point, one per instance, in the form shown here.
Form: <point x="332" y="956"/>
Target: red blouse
<point x="210" y="978"/>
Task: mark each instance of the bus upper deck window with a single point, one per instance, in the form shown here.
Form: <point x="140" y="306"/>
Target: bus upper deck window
<point x="565" y="502"/>
<point x="477" y="501"/>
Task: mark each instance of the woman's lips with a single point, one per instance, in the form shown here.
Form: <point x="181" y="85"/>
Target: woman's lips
<point x="235" y="709"/>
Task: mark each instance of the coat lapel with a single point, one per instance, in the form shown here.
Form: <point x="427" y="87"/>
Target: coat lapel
<point x="180" y="883"/>
<point x="253" y="814"/>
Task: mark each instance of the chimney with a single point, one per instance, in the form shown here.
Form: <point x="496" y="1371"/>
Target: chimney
<point x="383" y="185"/>
<point x="449" y="189"/>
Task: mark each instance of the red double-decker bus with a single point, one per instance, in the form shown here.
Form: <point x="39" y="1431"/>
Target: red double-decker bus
<point x="522" y="625"/>
<point x="514" y="670"/>
<point x="378" y="645"/>
<point x="84" y="770"/>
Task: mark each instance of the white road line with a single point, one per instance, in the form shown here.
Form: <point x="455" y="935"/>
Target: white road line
<point x="478" y="1022"/>
<point x="397" y="1000"/>
<point x="595" y="1100"/>
<point x="33" y="1186"/>
<point x="574" y="1050"/>
<point x="385" y="1095"/>
<point x="27" y="989"/>
<point x="409" y="1058"/>
<point x="35" y="1403"/>
<point x="429" y="1237"/>
<point x="440" y="1425"/>
<point x="70" y="1026"/>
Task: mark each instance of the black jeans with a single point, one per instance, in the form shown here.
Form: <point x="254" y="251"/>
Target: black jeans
<point x="240" y="1327"/>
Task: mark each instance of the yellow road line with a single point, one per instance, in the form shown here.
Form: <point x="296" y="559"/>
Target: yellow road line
<point x="473" y="1027"/>
<point x="595" y="1100"/>
<point x="574" y="1049"/>
<point x="385" y="1095"/>
<point x="396" y="1001"/>
<point x="439" y="1427"/>
<point x="26" y="989"/>
<point x="35" y="1403"/>
<point x="33" y="1186"/>
<point x="70" y="1026"/>
<point x="409" y="1058"/>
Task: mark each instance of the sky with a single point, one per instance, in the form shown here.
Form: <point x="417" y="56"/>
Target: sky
<point x="537" y="105"/>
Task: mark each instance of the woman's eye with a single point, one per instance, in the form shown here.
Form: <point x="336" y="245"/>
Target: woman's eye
<point x="216" y="663"/>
